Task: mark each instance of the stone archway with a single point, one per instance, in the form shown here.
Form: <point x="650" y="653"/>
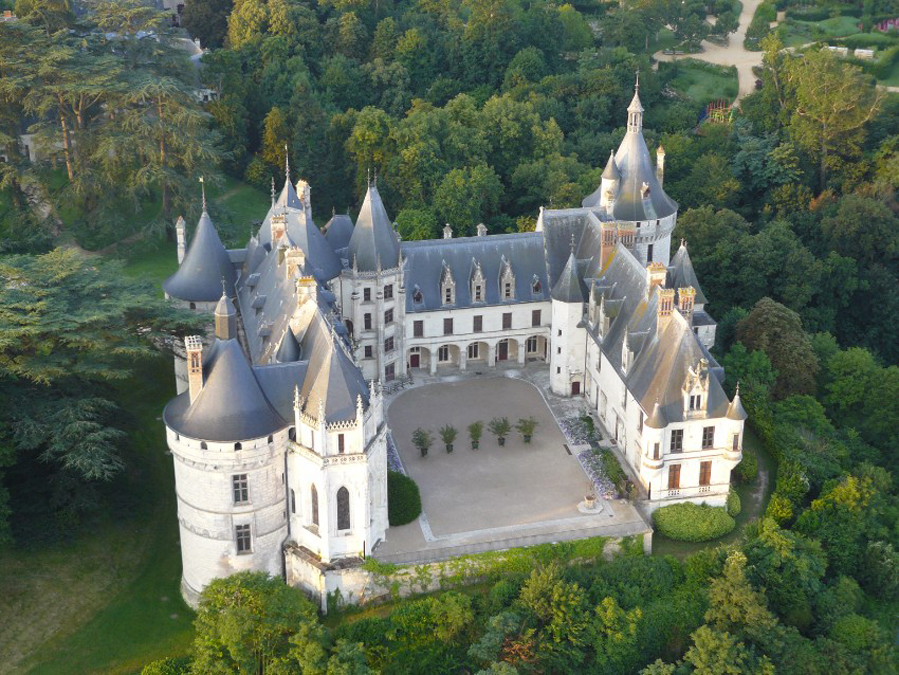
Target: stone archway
<point x="418" y="358"/>
<point x="535" y="348"/>
<point x="506" y="350"/>
<point x="477" y="354"/>
<point x="447" y="356"/>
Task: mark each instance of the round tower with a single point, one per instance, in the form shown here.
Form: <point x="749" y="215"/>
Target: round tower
<point x="568" y="355"/>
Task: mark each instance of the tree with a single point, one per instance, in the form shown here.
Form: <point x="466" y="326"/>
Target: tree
<point x="832" y="101"/>
<point x="863" y="229"/>
<point x="275" y="139"/>
<point x="207" y="21"/>
<point x="247" y="22"/>
<point x="468" y="196"/>
<point x="777" y="331"/>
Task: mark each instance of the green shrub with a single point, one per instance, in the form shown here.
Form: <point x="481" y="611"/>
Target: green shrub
<point x="759" y="27"/>
<point x="403" y="499"/>
<point x="692" y="522"/>
<point x="613" y="469"/>
<point x="748" y="468"/>
<point x="170" y="666"/>
<point x="734" y="505"/>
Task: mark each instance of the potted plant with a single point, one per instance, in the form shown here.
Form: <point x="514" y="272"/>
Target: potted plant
<point x="475" y="431"/>
<point x="422" y="440"/>
<point x="448" y="434"/>
<point x="500" y="427"/>
<point x="526" y="428"/>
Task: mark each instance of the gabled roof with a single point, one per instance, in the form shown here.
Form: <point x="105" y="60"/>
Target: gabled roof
<point x="205" y="264"/>
<point x="230" y="407"/>
<point x="373" y="244"/>
<point x="681" y="273"/>
<point x="339" y="231"/>
<point x="568" y="287"/>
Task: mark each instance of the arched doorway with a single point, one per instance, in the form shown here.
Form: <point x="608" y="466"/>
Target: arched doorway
<point x="507" y="350"/>
<point x="418" y="357"/>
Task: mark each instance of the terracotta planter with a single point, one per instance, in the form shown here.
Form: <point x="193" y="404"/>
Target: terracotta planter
<point x="502" y="441"/>
<point x="475" y="445"/>
<point x="424" y="452"/>
<point x="449" y="448"/>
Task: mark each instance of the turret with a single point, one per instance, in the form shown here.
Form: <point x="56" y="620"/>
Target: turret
<point x="225" y="318"/>
<point x="609" y="184"/>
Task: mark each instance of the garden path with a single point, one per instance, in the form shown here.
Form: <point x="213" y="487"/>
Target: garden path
<point x="731" y="54"/>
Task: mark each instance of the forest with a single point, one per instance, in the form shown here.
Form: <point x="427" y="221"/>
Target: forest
<point x="472" y="111"/>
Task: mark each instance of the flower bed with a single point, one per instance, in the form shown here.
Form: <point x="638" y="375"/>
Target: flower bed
<point x="593" y="466"/>
<point x="579" y="430"/>
<point x="393" y="457"/>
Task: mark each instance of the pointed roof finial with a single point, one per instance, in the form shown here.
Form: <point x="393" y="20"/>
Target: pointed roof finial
<point x="273" y="190"/>
<point x="286" y="163"/>
<point x="203" y="190"/>
<point x="368" y="176"/>
<point x="376" y="176"/>
<point x="225" y="292"/>
<point x="637" y="84"/>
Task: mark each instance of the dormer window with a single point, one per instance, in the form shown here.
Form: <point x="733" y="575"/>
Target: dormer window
<point x="645" y="190"/>
<point x="447" y="286"/>
<point x="507" y="280"/>
<point x="477" y="283"/>
<point x="696" y="402"/>
<point x="417" y="297"/>
<point x="536" y="286"/>
<point x="696" y="389"/>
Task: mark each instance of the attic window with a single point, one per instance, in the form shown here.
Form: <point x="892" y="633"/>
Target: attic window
<point x="507" y="290"/>
<point x="536" y="287"/>
<point x="645" y="191"/>
<point x="447" y="286"/>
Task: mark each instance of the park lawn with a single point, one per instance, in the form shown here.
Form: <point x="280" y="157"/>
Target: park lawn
<point x="702" y="82"/>
<point x="237" y="206"/>
<point x="795" y="32"/>
<point x="892" y="76"/>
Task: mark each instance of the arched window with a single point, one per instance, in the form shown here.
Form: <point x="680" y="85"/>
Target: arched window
<point x="293" y="501"/>
<point x="271" y="439"/>
<point x="349" y="326"/>
<point x="417" y="297"/>
<point x="292" y="433"/>
<point x="343" y="509"/>
<point x="203" y="445"/>
<point x="238" y="446"/>
<point x="193" y="305"/>
<point x="314" y="506"/>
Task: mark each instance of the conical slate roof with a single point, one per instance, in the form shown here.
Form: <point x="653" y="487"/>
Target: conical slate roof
<point x="682" y="274"/>
<point x="289" y="350"/>
<point x="339" y="231"/>
<point x="374" y="243"/>
<point x="319" y="255"/>
<point x="225" y="308"/>
<point x="288" y="196"/>
<point x="206" y="263"/>
<point x="568" y="285"/>
<point x="657" y="418"/>
<point x="231" y="405"/>
<point x="735" y="410"/>
<point x="611" y="171"/>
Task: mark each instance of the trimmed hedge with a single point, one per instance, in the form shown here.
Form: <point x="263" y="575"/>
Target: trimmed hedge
<point x="748" y="468"/>
<point x="734" y="505"/>
<point x="692" y="522"/>
<point x="403" y="499"/>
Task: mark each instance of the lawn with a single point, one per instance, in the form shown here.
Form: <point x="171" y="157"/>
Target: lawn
<point x="892" y="76"/>
<point x="794" y="32"/>
<point x="701" y="82"/>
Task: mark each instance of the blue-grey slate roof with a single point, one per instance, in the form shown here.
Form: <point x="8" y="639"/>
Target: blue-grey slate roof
<point x="424" y="264"/>
<point x="374" y="243"/>
<point x="205" y="264"/>
<point x="568" y="287"/>
<point x="339" y="231"/>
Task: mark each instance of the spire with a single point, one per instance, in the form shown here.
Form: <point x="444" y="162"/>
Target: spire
<point x="635" y="110"/>
<point x="568" y="285"/>
<point x="286" y="163"/>
<point x="203" y="190"/>
<point x="657" y="418"/>
<point x="273" y="190"/>
<point x="611" y="171"/>
<point x="735" y="410"/>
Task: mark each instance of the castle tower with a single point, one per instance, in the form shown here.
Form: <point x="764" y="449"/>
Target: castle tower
<point x="567" y="367"/>
<point x="373" y="293"/>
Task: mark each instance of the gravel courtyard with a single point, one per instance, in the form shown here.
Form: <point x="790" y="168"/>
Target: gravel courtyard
<point x="494" y="486"/>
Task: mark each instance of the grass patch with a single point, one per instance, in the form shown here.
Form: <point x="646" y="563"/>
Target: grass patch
<point x="891" y="78"/>
<point x="795" y="32"/>
<point x="701" y="82"/>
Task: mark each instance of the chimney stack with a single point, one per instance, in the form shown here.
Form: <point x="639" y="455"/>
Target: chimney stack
<point x="608" y="238"/>
<point x="279" y="226"/>
<point x="447" y="231"/>
<point x="181" y="233"/>
<point x="193" y="345"/>
<point x="295" y="260"/>
<point x="666" y="302"/>
<point x="685" y="299"/>
<point x="660" y="164"/>
<point x="656" y="274"/>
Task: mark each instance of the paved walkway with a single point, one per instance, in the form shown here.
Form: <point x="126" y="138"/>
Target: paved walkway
<point x="731" y="54"/>
<point x="494" y="498"/>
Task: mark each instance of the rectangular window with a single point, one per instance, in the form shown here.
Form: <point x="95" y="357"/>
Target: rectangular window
<point x="507" y="290"/>
<point x="388" y="316"/>
<point x="655" y="451"/>
<point x="473" y="350"/>
<point x="478" y="292"/>
<point x="478" y="324"/>
<point x="558" y="350"/>
<point x="507" y="320"/>
<point x="242" y="536"/>
<point x="388" y="292"/>
<point x="532" y="345"/>
<point x="340" y="446"/>
<point x="418" y="329"/>
<point x="677" y="440"/>
<point x="443" y="354"/>
<point x="708" y="437"/>
<point x="388" y="345"/>
<point x="447" y="326"/>
<point x="366" y="295"/>
<point x="366" y="322"/>
<point x="674" y="477"/>
<point x="389" y="372"/>
<point x="649" y="253"/>
<point x="695" y="402"/>
<point x="736" y="442"/>
<point x="368" y="351"/>
<point x="448" y="295"/>
<point x="705" y="473"/>
<point x="535" y="317"/>
<point x="240" y="488"/>
<point x="640" y="422"/>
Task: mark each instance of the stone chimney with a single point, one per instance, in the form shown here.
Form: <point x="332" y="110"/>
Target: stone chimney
<point x="608" y="239"/>
<point x="666" y="302"/>
<point x="660" y="164"/>
<point x="295" y="259"/>
<point x="627" y="235"/>
<point x="656" y="274"/>
<point x="193" y="345"/>
<point x="482" y="230"/>
<point x="181" y="233"/>
<point x="447" y="231"/>
<point x="685" y="299"/>
<point x="279" y="226"/>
